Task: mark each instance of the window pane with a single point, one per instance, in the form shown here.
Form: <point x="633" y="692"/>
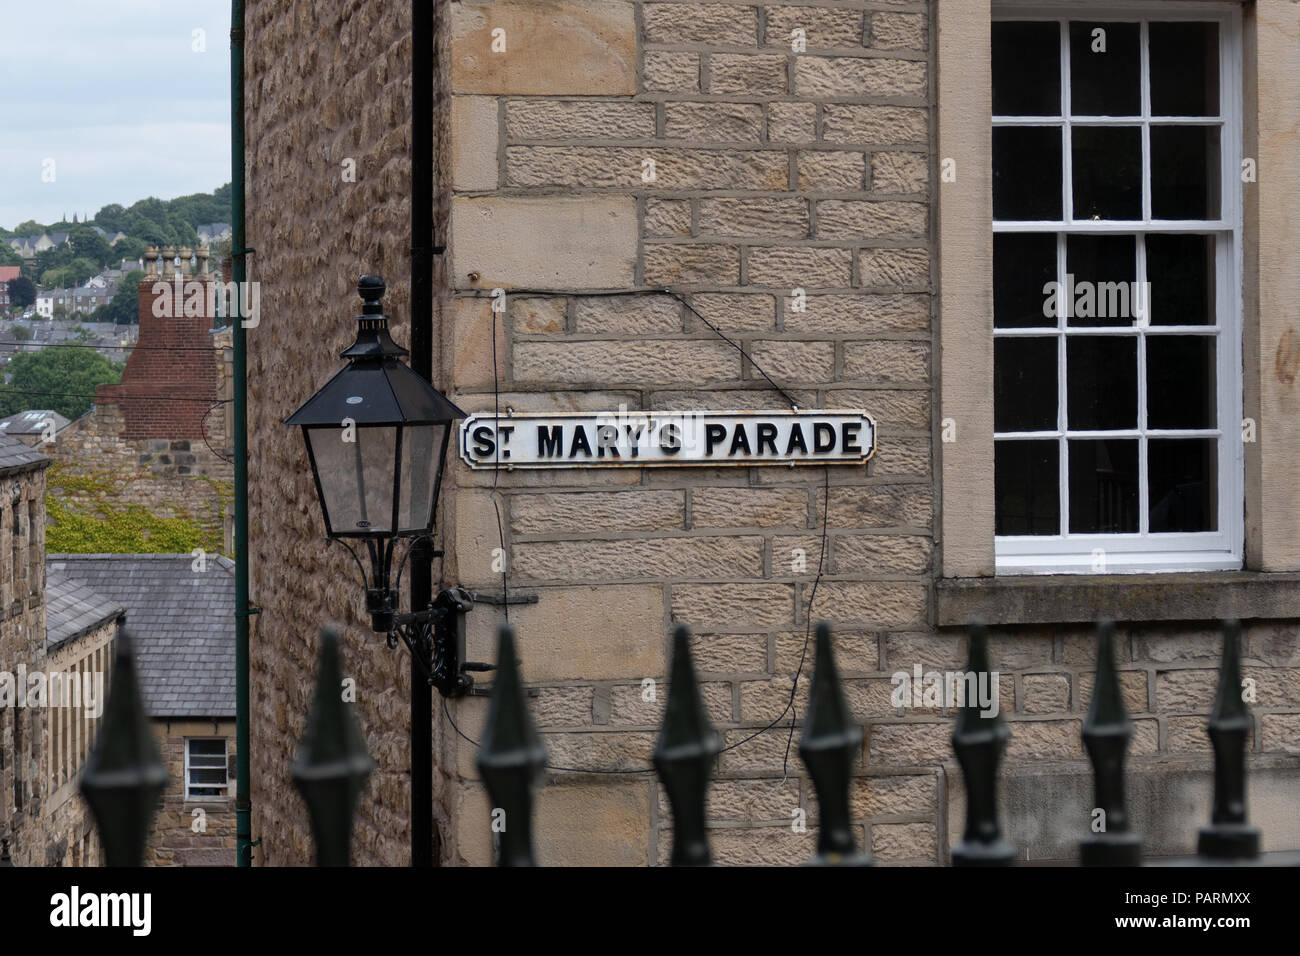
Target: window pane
<point x="1023" y="263"/>
<point x="1104" y="270"/>
<point x="207" y="776"/>
<point x="1026" y="69"/>
<point x="1101" y="382"/>
<point x="1107" y="172"/>
<point x="1180" y="269"/>
<point x="1026" y="487"/>
<point x="208" y="747"/>
<point x="1027" y="172"/>
<point x="1105" y="69"/>
<point x="1181" y="475"/>
<point x="1024" y="384"/>
<point x="1185" y="172"/>
<point x="1103" y="486"/>
<point x="1180" y="381"/>
<point x="1184" y="69"/>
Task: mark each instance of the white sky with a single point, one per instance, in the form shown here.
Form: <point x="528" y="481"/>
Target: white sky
<point x="116" y="94"/>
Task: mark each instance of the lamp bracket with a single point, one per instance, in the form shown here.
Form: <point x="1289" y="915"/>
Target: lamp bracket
<point x="436" y="639"/>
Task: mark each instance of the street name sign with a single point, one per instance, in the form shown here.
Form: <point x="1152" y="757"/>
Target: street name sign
<point x="630" y="439"/>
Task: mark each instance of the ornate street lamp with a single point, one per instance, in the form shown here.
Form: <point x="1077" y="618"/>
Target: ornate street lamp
<point x="377" y="436"/>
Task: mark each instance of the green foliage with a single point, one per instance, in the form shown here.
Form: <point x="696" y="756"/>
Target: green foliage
<point x="63" y="379"/>
<point x="88" y="244"/>
<point x="8" y="257"/>
<point x="22" y="333"/>
<point x="22" y="292"/>
<point x="74" y="273"/>
<point x="128" y="247"/>
<point x="151" y="221"/>
<point x="125" y="307"/>
<point x="99" y="523"/>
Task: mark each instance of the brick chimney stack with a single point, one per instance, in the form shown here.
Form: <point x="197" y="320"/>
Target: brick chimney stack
<point x="170" y="382"/>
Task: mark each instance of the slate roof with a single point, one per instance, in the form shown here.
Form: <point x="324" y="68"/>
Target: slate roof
<point x="31" y="422"/>
<point x="72" y="609"/>
<point x="15" y="457"/>
<point x="181" y="620"/>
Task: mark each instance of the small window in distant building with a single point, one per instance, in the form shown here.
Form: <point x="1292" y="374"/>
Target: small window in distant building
<point x="207" y="774"/>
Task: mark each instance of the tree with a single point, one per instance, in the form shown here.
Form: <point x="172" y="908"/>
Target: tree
<point x="8" y="257"/>
<point x="125" y="307"/>
<point x="22" y="333"/>
<point x="88" y="244"/>
<point x="22" y="292"/>
<point x="62" y="379"/>
<point x="60" y="311"/>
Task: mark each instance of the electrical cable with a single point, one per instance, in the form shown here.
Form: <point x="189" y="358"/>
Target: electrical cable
<point x="496" y="400"/>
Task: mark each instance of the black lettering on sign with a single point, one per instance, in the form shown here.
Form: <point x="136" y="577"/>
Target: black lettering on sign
<point x="607" y="438"/>
<point x="550" y="441"/>
<point x="767" y="436"/>
<point x="796" y="439"/>
<point x="849" y="439"/>
<point x="670" y="439"/>
<point x="503" y="432"/>
<point x="713" y="434"/>
<point x="634" y="439"/>
<point x="580" y="441"/>
<point x="823" y="437"/>
<point x="483" y="443"/>
<point x="739" y="441"/>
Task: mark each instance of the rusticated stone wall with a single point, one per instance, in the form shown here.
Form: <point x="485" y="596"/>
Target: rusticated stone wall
<point x="328" y="91"/>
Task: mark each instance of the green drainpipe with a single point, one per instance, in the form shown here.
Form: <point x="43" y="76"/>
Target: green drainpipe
<point x="243" y="802"/>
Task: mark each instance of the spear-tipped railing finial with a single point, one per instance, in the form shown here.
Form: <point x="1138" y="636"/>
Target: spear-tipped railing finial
<point x="511" y="758"/>
<point x="332" y="764"/>
<point x="1106" y="734"/>
<point x="684" y="756"/>
<point x="124" y="776"/>
<point x="829" y="747"/>
<point x="1229" y="836"/>
<point x="979" y="740"/>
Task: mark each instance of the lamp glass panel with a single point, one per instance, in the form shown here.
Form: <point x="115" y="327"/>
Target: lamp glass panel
<point x="356" y="477"/>
<point x="421" y="448"/>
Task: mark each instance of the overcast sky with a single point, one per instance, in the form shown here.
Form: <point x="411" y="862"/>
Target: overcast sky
<point x="117" y="95"/>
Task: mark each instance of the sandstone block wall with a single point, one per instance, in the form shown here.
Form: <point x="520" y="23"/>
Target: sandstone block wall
<point x="624" y="147"/>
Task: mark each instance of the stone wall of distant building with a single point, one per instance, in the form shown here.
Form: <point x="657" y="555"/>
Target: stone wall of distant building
<point x="161" y="437"/>
<point x="192" y="832"/>
<point x="24" y="786"/>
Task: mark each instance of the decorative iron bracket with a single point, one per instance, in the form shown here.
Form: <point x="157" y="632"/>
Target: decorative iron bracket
<point x="436" y="639"/>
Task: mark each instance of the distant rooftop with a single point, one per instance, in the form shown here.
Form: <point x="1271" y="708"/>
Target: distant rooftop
<point x="72" y="609"/>
<point x="31" y="422"/>
<point x="182" y="623"/>
<point x="16" y="457"/>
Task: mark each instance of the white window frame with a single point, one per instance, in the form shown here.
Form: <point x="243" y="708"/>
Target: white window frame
<point x="192" y="797"/>
<point x="1142" y="551"/>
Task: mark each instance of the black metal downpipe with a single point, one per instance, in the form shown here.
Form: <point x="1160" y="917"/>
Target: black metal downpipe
<point x="423" y="49"/>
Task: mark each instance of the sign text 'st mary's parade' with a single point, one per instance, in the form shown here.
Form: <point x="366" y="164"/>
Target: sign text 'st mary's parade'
<point x="650" y="439"/>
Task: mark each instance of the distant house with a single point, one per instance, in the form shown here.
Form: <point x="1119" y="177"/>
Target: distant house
<point x="213" y="231"/>
<point x="88" y="298"/>
<point x="33" y="427"/>
<point x="112" y="237"/>
<point x="180" y="613"/>
<point x="7" y="275"/>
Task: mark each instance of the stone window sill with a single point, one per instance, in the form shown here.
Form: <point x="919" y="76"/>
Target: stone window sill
<point x="1081" y="598"/>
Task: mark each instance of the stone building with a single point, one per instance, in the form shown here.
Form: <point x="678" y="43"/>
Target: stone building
<point x="825" y="184"/>
<point x="53" y="643"/>
<point x="179" y="611"/>
<point x="160" y="439"/>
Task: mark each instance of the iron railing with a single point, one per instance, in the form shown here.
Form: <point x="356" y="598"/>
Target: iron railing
<point x="124" y="777"/>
